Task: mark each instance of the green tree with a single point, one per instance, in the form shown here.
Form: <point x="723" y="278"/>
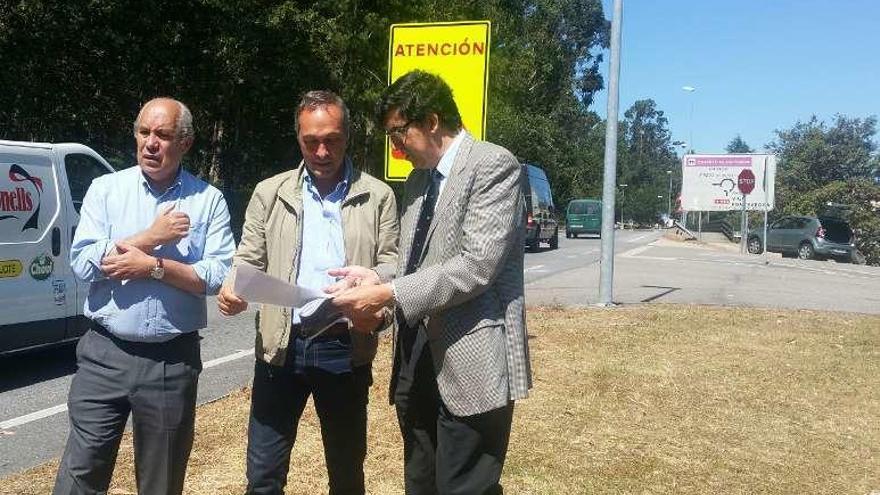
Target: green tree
<point x="812" y="154"/>
<point x="79" y="70"/>
<point x="738" y="145"/>
<point x="646" y="158"/>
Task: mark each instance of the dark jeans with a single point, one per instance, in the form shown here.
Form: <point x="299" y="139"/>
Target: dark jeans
<point x="157" y="384"/>
<point x="444" y="453"/>
<point x="277" y="402"/>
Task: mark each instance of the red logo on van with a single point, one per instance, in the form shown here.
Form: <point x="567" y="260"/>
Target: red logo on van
<point x="19" y="199"/>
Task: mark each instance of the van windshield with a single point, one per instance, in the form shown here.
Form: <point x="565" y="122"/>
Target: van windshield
<point x="584" y="208"/>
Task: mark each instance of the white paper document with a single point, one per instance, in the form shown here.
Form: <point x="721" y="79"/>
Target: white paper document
<point x="316" y="310"/>
<point x="256" y="286"/>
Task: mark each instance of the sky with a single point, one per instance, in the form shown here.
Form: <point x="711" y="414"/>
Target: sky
<point x="757" y="66"/>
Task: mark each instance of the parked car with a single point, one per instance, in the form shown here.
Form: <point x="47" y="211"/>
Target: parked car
<point x="541" y="224"/>
<point x="583" y="216"/>
<point x="41" y="191"/>
<point x="806" y="237"/>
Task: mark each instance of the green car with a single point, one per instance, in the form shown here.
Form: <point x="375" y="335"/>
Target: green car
<point x="583" y="216"/>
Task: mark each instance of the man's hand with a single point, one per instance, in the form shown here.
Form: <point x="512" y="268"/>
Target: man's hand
<point x="230" y="304"/>
<point x="169" y="226"/>
<point x="364" y="302"/>
<point x="127" y="262"/>
<point x="368" y="323"/>
<point x="352" y="276"/>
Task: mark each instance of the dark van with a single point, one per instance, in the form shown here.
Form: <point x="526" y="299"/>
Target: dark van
<point x="583" y="216"/>
<point x="541" y="225"/>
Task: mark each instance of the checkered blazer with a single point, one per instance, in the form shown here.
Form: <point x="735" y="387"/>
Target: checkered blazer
<point x="468" y="290"/>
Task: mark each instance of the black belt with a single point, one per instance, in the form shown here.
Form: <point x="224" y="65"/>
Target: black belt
<point x="335" y="330"/>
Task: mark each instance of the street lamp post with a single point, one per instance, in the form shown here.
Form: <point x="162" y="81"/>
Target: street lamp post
<point x="669" y="196"/>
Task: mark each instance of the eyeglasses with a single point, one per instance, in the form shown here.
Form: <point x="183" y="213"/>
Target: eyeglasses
<point x="398" y="134"/>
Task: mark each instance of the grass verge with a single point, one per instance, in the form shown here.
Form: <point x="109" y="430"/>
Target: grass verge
<point x="643" y="399"/>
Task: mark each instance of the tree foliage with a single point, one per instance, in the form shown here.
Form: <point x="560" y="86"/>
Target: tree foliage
<point x="647" y="154"/>
<point x="738" y="145"/>
<point x="813" y="154"/>
<point x="79" y="70"/>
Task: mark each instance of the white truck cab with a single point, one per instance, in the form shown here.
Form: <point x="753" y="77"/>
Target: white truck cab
<point x="42" y="187"/>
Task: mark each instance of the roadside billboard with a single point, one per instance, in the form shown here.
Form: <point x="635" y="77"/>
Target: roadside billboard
<point x="710" y="182"/>
<point x="456" y="51"/>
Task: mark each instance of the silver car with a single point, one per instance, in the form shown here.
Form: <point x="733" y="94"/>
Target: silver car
<point x="807" y="238"/>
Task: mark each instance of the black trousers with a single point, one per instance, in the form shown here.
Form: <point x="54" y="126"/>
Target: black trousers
<point x="444" y="453"/>
<point x="157" y="384"/>
<point x="278" y="399"/>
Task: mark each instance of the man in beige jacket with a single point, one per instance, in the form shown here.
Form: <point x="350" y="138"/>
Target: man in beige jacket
<point x="299" y="224"/>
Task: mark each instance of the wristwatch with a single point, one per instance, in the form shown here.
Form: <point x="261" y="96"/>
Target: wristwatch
<point x="158" y="271"/>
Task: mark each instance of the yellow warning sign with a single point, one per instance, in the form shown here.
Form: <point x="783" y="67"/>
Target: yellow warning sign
<point x="456" y="51"/>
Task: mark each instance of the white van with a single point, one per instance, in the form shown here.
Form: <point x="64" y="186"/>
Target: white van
<point x="41" y="191"/>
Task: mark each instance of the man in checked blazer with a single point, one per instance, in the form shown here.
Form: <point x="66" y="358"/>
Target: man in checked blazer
<point x="461" y="355"/>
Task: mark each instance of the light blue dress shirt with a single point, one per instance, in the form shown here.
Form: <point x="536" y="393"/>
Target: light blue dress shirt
<point x="122" y="204"/>
<point x="323" y="245"/>
<point x="323" y="248"/>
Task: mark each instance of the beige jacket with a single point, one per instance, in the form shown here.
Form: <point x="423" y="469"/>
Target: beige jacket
<point x="271" y="241"/>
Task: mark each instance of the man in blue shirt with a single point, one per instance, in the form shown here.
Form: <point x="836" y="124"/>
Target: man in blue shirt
<point x="153" y="240"/>
<point x="298" y="225"/>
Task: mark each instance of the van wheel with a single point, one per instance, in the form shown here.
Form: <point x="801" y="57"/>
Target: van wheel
<point x="806" y="252"/>
<point x="554" y="241"/>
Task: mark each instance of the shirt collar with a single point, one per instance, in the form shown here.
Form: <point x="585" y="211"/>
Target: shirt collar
<point x="341" y="186"/>
<point x="444" y="167"/>
<point x="178" y="180"/>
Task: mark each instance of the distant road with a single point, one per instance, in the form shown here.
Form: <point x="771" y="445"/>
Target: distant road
<point x="655" y="269"/>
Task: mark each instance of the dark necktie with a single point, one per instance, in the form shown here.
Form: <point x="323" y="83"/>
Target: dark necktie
<point x="425" y="216"/>
<point x="412" y="339"/>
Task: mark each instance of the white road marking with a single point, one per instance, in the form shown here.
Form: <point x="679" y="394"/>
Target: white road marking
<point x="51" y="411"/>
<point x="536" y="267"/>
<point x="34" y="416"/>
<point x="639" y="238"/>
<point x="226" y="359"/>
<point x="635" y="251"/>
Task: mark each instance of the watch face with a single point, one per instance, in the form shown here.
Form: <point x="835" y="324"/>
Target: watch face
<point x="157" y="272"/>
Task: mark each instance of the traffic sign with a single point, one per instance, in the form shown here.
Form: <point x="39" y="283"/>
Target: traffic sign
<point x="746" y="181"/>
<point x="456" y="51"/>
<point x="709" y="182"/>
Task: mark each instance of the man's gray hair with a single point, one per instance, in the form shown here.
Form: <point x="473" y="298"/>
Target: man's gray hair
<point x="184" y="124"/>
<point x="316" y="99"/>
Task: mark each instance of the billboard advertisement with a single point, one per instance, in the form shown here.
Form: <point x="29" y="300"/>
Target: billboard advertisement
<point x="710" y="182"/>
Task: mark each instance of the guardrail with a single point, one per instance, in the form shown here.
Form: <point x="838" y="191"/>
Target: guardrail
<point x="732" y="234"/>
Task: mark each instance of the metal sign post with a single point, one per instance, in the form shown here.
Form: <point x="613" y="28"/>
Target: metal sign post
<point x="745" y="182"/>
<point x="765" y="235"/>
<point x="744" y="229"/>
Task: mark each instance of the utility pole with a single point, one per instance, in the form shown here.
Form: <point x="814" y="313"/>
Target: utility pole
<point x="609" y="190"/>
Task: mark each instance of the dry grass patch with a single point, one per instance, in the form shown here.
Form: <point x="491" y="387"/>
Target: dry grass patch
<point x="648" y="399"/>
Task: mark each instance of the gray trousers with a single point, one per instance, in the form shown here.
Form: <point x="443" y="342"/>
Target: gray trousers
<point x="157" y="384"/>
